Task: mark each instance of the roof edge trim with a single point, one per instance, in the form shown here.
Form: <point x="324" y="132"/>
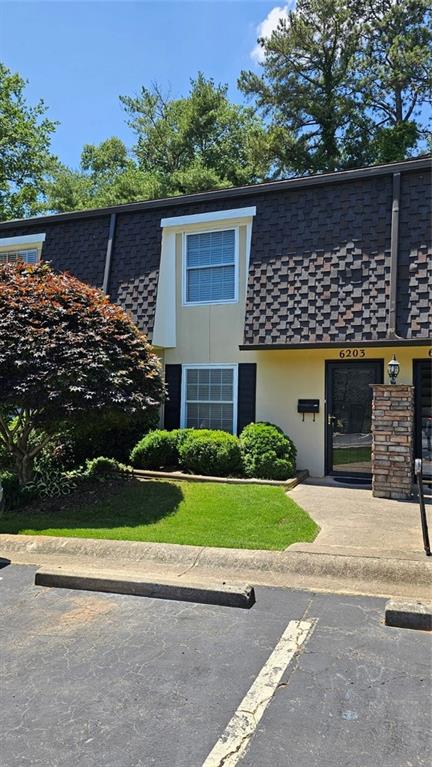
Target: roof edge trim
<point x="337" y="344"/>
<point x="298" y="182"/>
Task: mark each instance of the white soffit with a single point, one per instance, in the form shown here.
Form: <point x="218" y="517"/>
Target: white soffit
<point x="26" y="239"/>
<point x="205" y="218"/>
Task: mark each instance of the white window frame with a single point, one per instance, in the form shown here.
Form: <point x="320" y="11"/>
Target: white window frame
<point x="23" y="242"/>
<point x="208" y="366"/>
<point x="185" y="235"/>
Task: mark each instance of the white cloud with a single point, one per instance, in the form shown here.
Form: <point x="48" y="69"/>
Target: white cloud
<point x="268" y="25"/>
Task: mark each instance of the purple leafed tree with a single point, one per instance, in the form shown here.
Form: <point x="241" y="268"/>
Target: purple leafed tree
<point x="66" y="353"/>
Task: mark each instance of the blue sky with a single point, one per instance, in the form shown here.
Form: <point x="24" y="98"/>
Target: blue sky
<point x="79" y="57"/>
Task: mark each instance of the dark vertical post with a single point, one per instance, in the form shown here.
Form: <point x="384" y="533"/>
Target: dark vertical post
<point x="423" y="518"/>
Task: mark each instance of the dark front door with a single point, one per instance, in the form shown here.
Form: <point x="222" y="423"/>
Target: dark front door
<point x="349" y="415"/>
<point x="423" y="406"/>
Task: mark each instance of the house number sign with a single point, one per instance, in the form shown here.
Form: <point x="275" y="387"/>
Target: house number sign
<point x="346" y="354"/>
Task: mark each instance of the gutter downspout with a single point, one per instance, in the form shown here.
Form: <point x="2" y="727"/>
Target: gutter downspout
<point x="394" y="253"/>
<point x="112" y="227"/>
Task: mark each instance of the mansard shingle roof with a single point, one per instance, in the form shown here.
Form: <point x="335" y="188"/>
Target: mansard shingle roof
<point x="320" y="255"/>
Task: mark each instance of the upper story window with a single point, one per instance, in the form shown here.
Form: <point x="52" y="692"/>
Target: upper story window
<point x="211" y="267"/>
<point x="27" y="248"/>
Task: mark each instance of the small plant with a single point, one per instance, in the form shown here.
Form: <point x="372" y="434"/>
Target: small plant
<point x="103" y="468"/>
<point x="156" y="450"/>
<point x="53" y="485"/>
<point x="211" y="452"/>
<point x="267" y="452"/>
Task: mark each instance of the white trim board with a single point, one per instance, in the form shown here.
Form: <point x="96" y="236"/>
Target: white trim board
<point x="205" y="218"/>
<point x="25" y="239"/>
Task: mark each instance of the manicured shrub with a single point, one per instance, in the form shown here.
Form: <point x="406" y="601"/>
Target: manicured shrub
<point x="210" y="452"/>
<point x="156" y="450"/>
<point x="269" y="466"/>
<point x="267" y="452"/>
<point x="105" y="468"/>
<point x="181" y="435"/>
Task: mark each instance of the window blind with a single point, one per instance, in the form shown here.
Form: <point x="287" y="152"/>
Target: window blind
<point x="210" y="266"/>
<point x="209" y="395"/>
<point x="12" y="256"/>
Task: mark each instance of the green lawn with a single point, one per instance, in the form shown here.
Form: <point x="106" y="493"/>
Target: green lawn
<point x="201" y="514"/>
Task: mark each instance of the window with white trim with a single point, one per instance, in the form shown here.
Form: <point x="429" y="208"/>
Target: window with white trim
<point x="29" y="255"/>
<point x="209" y="397"/>
<point x="25" y="247"/>
<point x="210" y="267"/>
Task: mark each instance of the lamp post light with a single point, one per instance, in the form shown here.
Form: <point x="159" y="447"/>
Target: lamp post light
<point x="393" y="369"/>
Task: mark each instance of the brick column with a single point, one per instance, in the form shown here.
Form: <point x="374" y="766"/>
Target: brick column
<point x="392" y="440"/>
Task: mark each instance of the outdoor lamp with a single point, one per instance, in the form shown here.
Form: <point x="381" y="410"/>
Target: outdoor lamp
<point x="393" y="369"/>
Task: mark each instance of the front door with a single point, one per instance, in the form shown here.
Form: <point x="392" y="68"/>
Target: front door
<point x="349" y="415"/>
<point x="423" y="404"/>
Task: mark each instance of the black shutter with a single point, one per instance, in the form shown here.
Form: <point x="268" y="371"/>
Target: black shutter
<point x="246" y="394"/>
<point x="173" y="375"/>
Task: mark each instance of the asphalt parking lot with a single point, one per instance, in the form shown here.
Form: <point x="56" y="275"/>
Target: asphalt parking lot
<point x="102" y="680"/>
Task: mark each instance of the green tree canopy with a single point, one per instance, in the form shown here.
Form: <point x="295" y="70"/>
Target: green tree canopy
<point x="107" y="176"/>
<point x="199" y="142"/>
<point x="25" y="135"/>
<point x="343" y="83"/>
<point x="394" y="75"/>
<point x="305" y="87"/>
<point x="202" y="141"/>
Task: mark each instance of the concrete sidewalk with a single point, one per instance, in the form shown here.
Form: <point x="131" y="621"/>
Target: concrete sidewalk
<point x="354" y="523"/>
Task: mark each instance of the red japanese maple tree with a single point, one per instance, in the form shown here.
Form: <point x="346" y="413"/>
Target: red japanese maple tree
<point x="65" y="352"/>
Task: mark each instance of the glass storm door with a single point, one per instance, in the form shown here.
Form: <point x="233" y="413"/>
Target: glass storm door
<point x="349" y="415"/>
<point x="423" y="400"/>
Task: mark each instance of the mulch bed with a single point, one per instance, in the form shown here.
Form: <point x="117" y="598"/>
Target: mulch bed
<point x="87" y="493"/>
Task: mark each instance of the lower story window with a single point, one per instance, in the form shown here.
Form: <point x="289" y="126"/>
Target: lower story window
<point x="29" y="255"/>
<point x="209" y="397"/>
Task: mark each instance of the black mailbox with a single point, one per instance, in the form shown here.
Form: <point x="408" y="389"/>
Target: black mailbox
<point x="308" y="406"/>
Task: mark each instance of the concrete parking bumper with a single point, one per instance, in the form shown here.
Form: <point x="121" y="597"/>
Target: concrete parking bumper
<point x="406" y="614"/>
<point x="228" y="595"/>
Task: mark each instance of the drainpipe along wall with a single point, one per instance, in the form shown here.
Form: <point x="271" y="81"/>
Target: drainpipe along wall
<point x="109" y="250"/>
<point x="394" y="252"/>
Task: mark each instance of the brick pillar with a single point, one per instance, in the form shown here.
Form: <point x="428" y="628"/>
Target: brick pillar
<point x="392" y="440"/>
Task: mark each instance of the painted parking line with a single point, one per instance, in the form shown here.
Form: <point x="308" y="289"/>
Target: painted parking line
<point x="231" y="746"/>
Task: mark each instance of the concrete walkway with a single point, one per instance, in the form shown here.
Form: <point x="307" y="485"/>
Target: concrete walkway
<point x="354" y="523"/>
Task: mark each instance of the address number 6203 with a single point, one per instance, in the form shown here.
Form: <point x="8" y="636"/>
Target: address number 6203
<point x="346" y="354"/>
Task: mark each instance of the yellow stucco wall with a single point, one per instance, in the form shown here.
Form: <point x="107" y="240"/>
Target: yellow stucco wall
<point x="283" y="377"/>
<point x="212" y="334"/>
